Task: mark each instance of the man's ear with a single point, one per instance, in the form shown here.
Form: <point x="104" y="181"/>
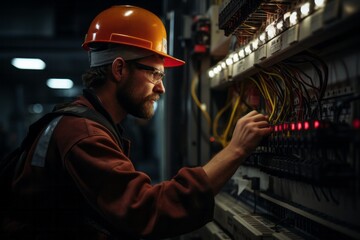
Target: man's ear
<point x="117" y="68"/>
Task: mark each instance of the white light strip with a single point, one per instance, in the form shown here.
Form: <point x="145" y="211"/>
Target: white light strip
<point x="290" y="18"/>
<point x="59" y="83"/>
<point x="28" y="63"/>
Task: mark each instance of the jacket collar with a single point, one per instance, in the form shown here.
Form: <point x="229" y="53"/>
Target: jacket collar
<point x="94" y="100"/>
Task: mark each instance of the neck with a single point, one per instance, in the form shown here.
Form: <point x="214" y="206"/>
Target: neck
<point x="107" y="97"/>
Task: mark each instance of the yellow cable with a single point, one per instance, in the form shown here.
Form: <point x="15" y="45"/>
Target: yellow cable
<point x="197" y="101"/>
<point x="268" y="97"/>
<point x="285" y="90"/>
<point x="266" y="91"/>
<point x="226" y="132"/>
<point x="260" y="89"/>
<point x="264" y="95"/>
<point x="216" y="120"/>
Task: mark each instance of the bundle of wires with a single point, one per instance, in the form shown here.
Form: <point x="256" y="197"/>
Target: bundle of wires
<point x="287" y="91"/>
<point x="232" y="104"/>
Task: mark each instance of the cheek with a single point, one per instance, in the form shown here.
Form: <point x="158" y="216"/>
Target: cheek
<point x="130" y="84"/>
<point x="143" y="89"/>
<point x="138" y="85"/>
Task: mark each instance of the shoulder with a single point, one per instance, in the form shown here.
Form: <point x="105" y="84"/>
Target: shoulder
<point x="72" y="129"/>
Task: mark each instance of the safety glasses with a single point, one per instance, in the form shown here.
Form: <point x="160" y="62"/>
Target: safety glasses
<point x="156" y="75"/>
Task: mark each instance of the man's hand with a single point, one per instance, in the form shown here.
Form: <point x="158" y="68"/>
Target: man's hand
<point x="248" y="133"/>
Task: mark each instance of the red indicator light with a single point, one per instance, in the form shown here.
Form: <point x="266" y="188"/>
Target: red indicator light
<point x="212" y="139"/>
<point x="299" y="126"/>
<point x="316" y="124"/>
<point x="356" y="123"/>
<point x="285" y="126"/>
<point x="276" y="128"/>
<point x="280" y="127"/>
<point x="292" y="126"/>
<point x="306" y="125"/>
<point x="204" y="28"/>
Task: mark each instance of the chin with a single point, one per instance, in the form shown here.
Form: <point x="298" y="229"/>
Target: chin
<point x="147" y="113"/>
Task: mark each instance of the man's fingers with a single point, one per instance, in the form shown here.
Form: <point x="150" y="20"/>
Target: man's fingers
<point x="263" y="124"/>
<point x="256" y="117"/>
<point x="252" y="113"/>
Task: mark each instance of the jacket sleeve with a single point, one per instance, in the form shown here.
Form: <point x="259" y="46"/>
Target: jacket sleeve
<point x="127" y="199"/>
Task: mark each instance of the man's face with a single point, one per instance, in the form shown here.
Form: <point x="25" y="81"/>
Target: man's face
<point x="139" y="90"/>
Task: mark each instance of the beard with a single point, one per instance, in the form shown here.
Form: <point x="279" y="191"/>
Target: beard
<point x="141" y="107"/>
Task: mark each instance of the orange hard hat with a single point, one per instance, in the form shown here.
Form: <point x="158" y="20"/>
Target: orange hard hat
<point x="133" y="26"/>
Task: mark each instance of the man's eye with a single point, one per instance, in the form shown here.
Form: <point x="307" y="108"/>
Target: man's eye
<point x="157" y="75"/>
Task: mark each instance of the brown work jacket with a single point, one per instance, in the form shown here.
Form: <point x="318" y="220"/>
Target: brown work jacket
<point x="89" y="189"/>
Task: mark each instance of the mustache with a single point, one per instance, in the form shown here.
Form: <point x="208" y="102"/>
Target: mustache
<point x="154" y="97"/>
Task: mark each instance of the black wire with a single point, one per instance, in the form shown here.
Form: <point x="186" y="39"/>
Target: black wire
<point x="323" y="79"/>
<point x="297" y="86"/>
<point x="323" y="74"/>
<point x="282" y="69"/>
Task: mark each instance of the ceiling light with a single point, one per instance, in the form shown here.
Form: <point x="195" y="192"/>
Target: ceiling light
<point x="28" y="63"/>
<point x="59" y="83"/>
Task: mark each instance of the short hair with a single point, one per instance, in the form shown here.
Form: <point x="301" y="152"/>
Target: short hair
<point x="96" y="77"/>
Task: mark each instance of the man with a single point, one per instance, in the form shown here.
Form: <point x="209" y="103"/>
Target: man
<point x="88" y="188"/>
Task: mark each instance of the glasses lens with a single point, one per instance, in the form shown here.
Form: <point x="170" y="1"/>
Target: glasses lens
<point x="156" y="74"/>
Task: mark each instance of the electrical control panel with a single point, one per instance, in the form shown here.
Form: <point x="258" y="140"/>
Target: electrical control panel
<point x="297" y="62"/>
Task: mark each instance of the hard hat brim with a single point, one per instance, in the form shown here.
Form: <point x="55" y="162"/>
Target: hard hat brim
<point x="170" y="61"/>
